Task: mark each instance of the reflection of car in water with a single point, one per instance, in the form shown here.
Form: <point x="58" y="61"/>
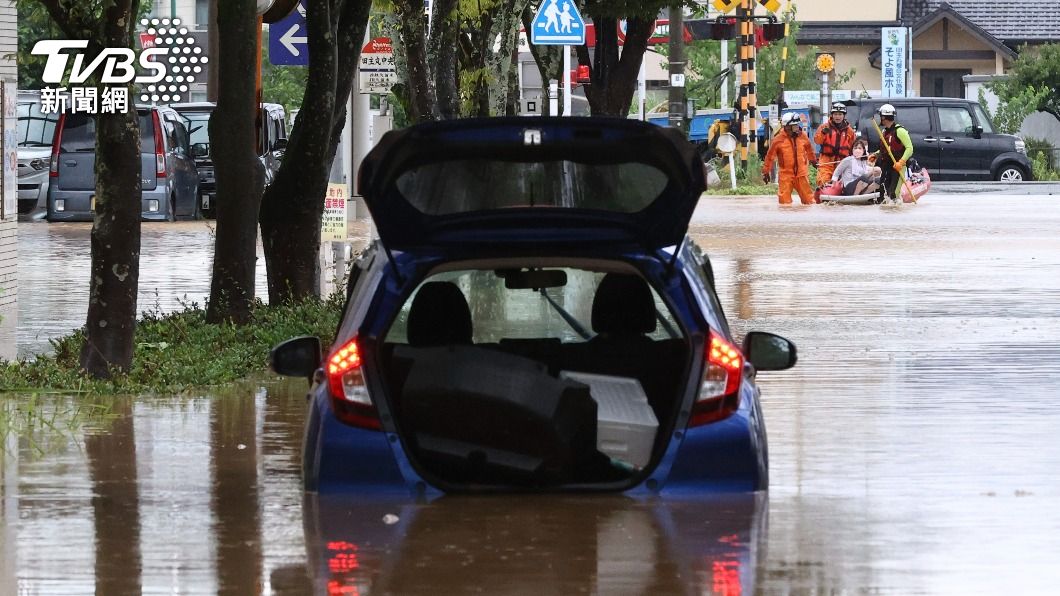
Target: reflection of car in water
<point x="543" y="545"/>
<point x="272" y="135"/>
<point x="35" y="132"/>
<point x="534" y="318"/>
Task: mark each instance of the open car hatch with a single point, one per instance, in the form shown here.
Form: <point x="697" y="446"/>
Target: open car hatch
<point x="529" y="181"/>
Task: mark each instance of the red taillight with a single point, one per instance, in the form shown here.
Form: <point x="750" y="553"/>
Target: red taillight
<point x="719" y="394"/>
<point x="349" y="396"/>
<point x="57" y="141"/>
<point x="160" y="148"/>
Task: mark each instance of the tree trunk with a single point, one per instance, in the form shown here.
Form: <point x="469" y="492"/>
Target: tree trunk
<point x="115" y="241"/>
<point x="442" y="53"/>
<point x="240" y="174"/>
<point x="505" y="26"/>
<point x="614" y="79"/>
<point x="293" y="204"/>
<point x="412" y="27"/>
<point x="115" y="247"/>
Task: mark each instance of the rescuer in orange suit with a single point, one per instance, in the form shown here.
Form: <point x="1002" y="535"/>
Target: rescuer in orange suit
<point x="793" y="153"/>
<point x="836" y="138"/>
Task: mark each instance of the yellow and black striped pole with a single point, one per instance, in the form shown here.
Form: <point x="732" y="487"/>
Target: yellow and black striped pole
<point x="789" y="15"/>
<point x="752" y="80"/>
<point x="745" y="44"/>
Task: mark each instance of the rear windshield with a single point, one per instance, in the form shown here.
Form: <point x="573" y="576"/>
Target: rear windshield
<point x="499" y="313"/>
<point x="79" y="133"/>
<point x="198" y="123"/>
<point x="35" y="129"/>
<point x="461" y="186"/>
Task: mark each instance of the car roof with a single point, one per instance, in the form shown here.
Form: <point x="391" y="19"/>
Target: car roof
<point x="908" y="100"/>
<point x="199" y="106"/>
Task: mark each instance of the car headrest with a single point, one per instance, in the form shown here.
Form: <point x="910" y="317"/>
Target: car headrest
<point x="439" y="315"/>
<point x="623" y="305"/>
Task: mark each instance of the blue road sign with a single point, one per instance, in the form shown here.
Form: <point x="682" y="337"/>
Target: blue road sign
<point x="557" y="23"/>
<point x="288" y="45"/>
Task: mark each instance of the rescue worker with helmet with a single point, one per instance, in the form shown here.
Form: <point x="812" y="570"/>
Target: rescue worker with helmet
<point x="897" y="138"/>
<point x="792" y="151"/>
<point x="836" y="138"/>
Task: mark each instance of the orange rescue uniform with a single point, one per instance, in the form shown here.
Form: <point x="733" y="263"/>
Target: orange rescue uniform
<point x="836" y="143"/>
<point x="793" y="155"/>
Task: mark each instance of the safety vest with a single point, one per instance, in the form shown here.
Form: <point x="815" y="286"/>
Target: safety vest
<point x="890" y="136"/>
<point x="835" y="141"/>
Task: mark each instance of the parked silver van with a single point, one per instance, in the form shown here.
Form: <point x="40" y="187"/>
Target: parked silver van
<point x="170" y="183"/>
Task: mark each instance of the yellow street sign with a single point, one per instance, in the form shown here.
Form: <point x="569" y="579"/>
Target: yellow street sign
<point x="727" y="5"/>
<point x="771" y="5"/>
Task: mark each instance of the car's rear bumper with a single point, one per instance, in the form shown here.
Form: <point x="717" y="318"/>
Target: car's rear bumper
<point x="727" y="456"/>
<point x="77" y="205"/>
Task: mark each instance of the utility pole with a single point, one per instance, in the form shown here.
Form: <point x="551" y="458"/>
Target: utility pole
<point x="677" y="68"/>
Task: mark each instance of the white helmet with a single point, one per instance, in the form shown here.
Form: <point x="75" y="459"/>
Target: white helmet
<point x="887" y="110"/>
<point x="790" y="118"/>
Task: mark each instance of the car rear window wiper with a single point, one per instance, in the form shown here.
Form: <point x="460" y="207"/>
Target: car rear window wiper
<point x="566" y="316"/>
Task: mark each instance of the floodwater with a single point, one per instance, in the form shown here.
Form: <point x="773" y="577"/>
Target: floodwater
<point x="913" y="450"/>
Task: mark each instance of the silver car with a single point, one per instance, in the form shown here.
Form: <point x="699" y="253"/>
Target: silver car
<point x="35" y="133"/>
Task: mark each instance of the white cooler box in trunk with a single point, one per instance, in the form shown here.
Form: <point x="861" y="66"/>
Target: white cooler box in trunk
<point x="626" y="424"/>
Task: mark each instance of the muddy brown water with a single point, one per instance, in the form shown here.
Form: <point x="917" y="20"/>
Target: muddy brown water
<point x="913" y="450"/>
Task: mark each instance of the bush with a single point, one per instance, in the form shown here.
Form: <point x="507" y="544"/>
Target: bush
<point x="180" y="350"/>
<point x="1043" y="169"/>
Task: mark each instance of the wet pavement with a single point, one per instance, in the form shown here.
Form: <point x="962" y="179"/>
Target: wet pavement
<point x="913" y="450"/>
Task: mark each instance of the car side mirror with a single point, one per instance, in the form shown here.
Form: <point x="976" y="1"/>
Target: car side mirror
<point x="200" y="150"/>
<point x="296" y="357"/>
<point x="977" y="131"/>
<point x="767" y="351"/>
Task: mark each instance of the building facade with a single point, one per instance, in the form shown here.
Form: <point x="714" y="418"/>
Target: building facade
<point x="8" y="181"/>
<point x="950" y="40"/>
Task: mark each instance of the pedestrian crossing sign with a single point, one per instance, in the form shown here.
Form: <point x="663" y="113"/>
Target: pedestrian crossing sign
<point x="726" y="5"/>
<point x="557" y="23"/>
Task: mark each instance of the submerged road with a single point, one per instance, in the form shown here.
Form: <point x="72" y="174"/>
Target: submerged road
<point x="913" y="450"/>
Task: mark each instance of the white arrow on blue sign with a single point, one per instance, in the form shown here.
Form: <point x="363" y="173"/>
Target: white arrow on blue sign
<point x="557" y="23"/>
<point x="288" y="45"/>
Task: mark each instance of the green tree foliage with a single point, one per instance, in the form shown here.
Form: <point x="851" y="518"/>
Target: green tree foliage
<point x="1037" y="68"/>
<point x="1033" y="85"/>
<point x="34" y="24"/>
<point x="705" y="59"/>
<point x="284" y="85"/>
<point x="1015" y="104"/>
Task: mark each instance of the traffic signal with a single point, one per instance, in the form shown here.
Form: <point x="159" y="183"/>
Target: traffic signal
<point x="773" y="31"/>
<point x="723" y="30"/>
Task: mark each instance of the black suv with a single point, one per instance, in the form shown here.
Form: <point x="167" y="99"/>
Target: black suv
<point x="272" y="141"/>
<point x="953" y="138"/>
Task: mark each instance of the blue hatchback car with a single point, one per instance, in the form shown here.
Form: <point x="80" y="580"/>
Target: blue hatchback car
<point x="533" y="318"/>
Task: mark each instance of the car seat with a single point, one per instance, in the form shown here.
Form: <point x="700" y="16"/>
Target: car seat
<point x="623" y="308"/>
<point x="439" y="315"/>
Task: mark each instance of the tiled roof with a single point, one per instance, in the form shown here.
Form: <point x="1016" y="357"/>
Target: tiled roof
<point x="853" y="33"/>
<point x="1007" y="20"/>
